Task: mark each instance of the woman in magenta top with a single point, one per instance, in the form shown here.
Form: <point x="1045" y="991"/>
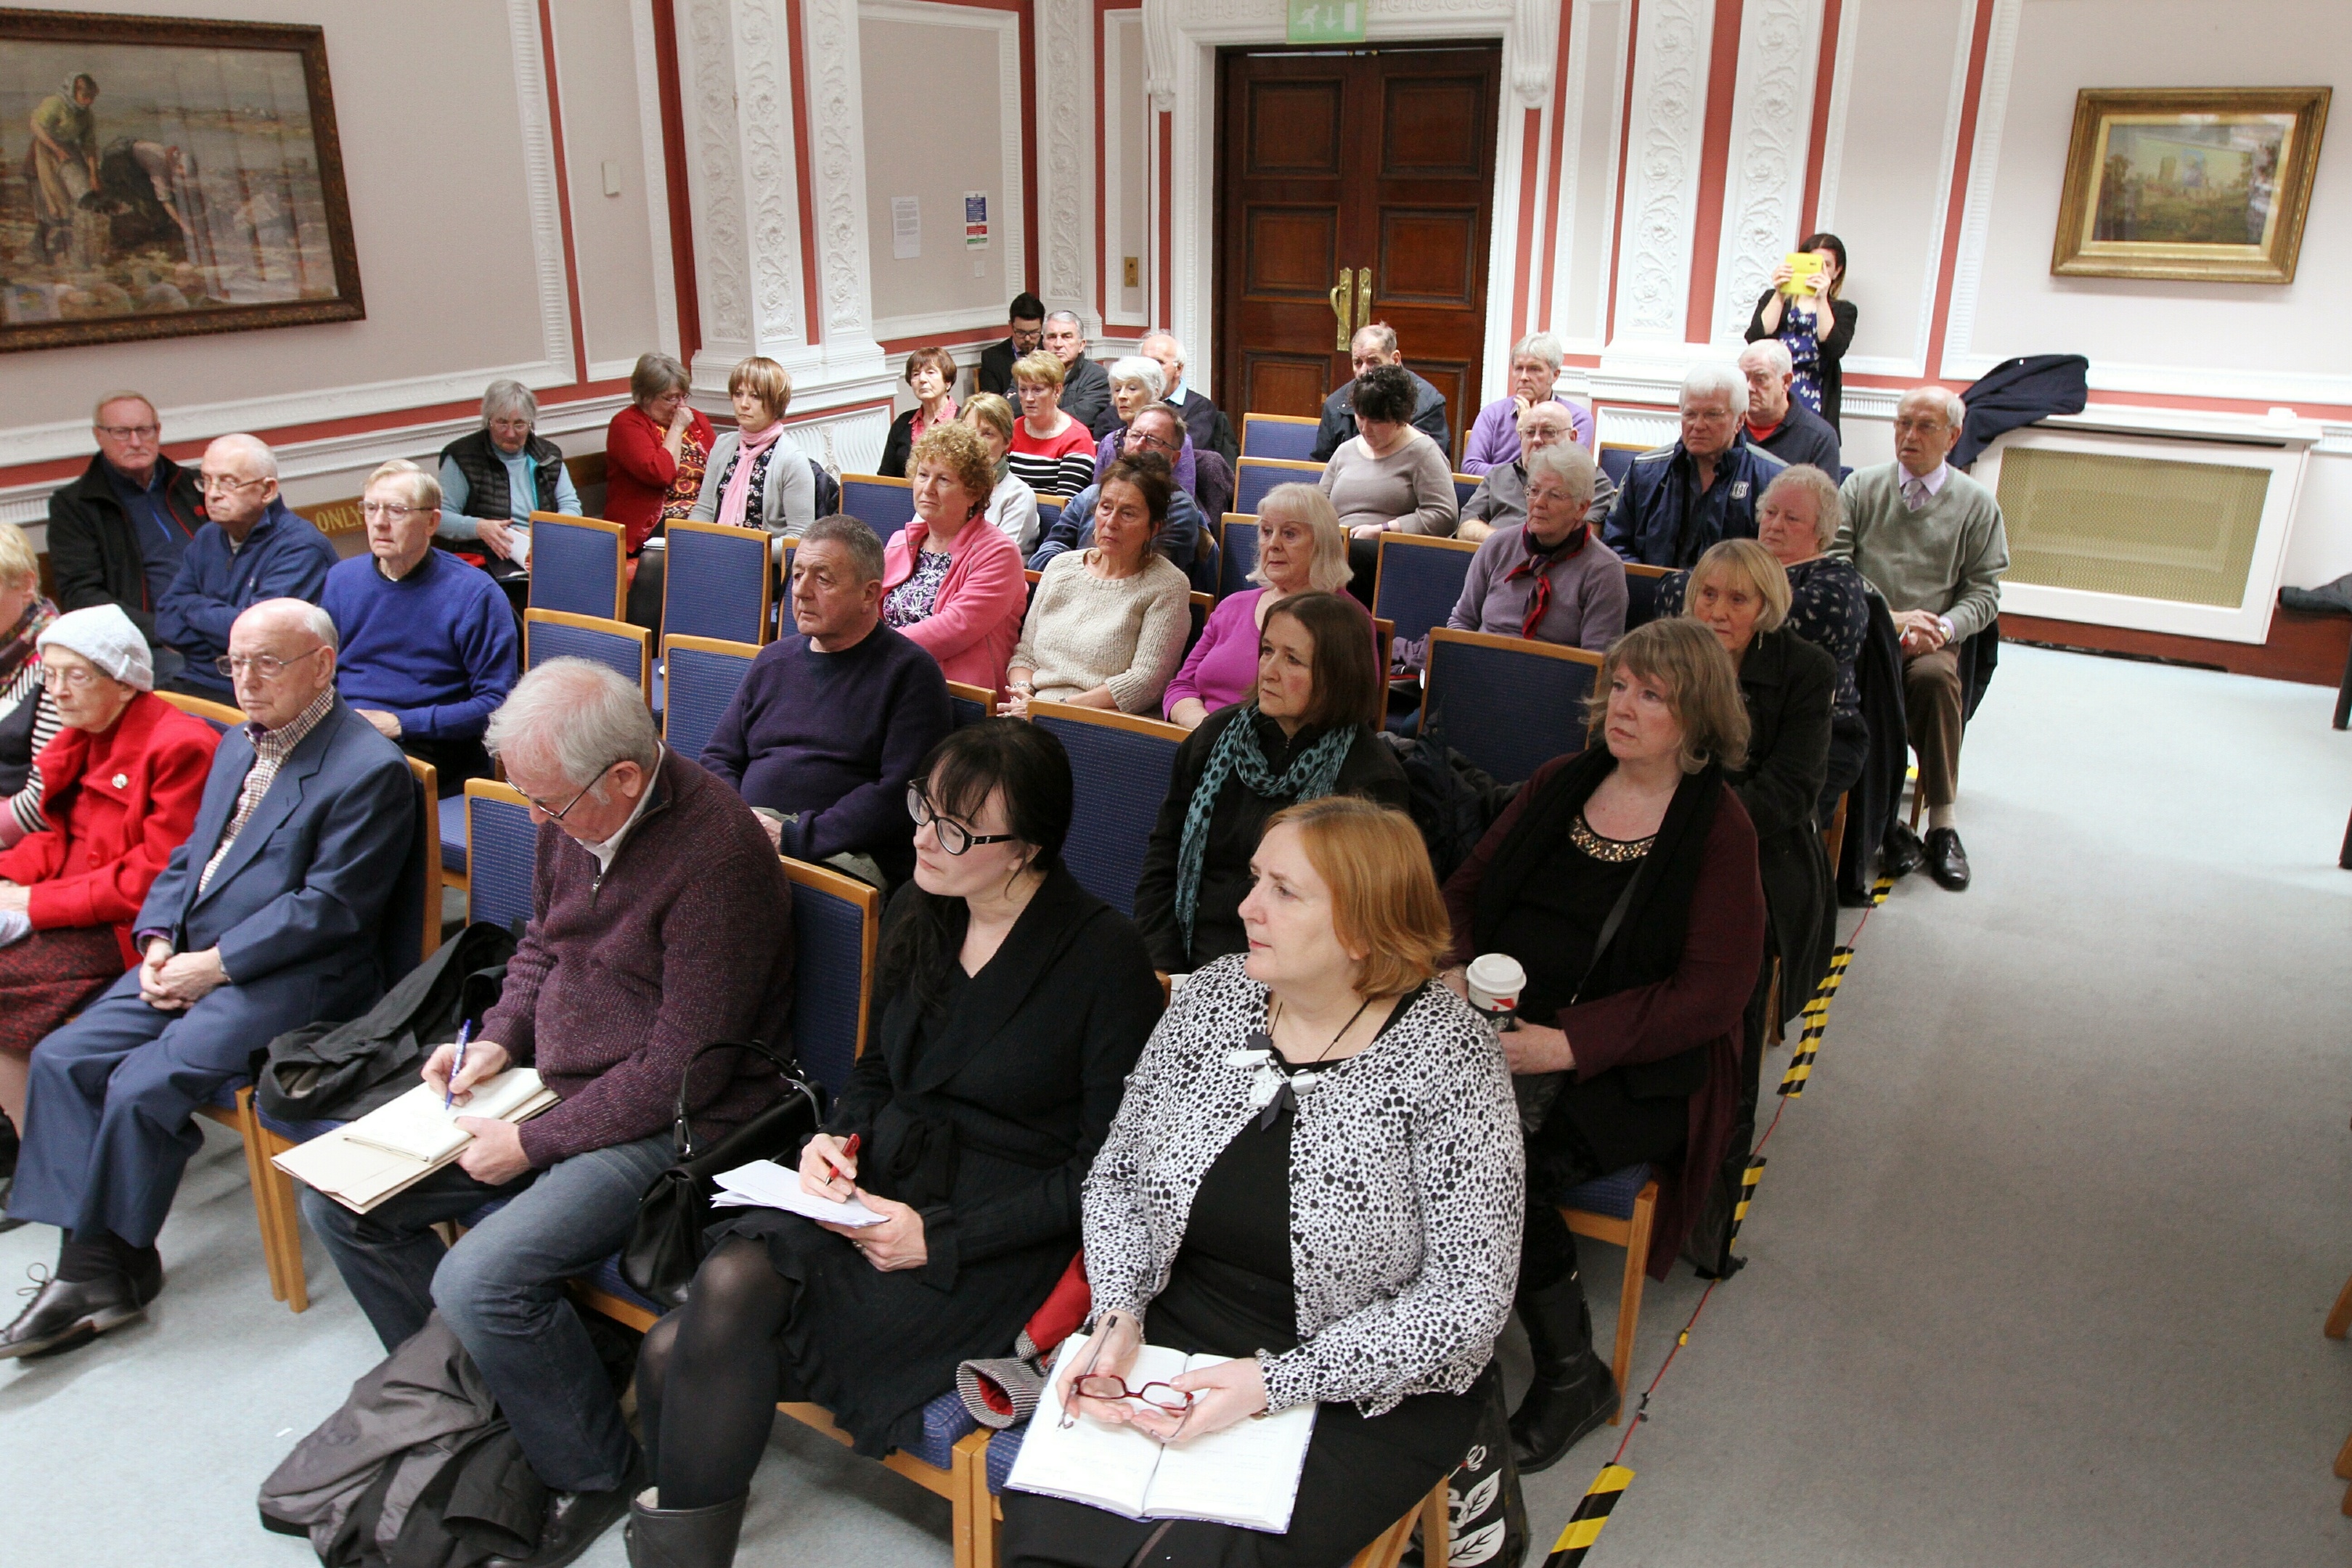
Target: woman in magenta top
<point x="1301" y="549"/>
<point x="654" y="452"/>
<point x="952" y="581"/>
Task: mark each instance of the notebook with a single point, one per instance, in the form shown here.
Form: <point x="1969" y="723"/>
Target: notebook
<point x="765" y="1185"/>
<point x="362" y="1172"/>
<point x="1245" y="1475"/>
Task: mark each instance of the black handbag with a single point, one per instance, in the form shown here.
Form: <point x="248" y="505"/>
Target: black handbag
<point x="665" y="1246"/>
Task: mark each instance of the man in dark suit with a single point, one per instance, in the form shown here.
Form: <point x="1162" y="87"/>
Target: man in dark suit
<point x="117" y="534"/>
<point x="1778" y="423"/>
<point x="281" y="908"/>
<point x="1027" y="320"/>
<point x="1085" y="385"/>
<point x="1211" y="430"/>
<point x="1372" y="346"/>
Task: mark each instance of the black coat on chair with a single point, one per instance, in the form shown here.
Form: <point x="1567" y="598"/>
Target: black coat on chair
<point x="1788" y="685"/>
<point x="1878" y="794"/>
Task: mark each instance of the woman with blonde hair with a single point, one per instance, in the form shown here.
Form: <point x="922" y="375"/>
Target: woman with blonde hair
<point x="755" y="478"/>
<point x="1315" y="1171"/>
<point x="1623" y="879"/>
<point x="29" y="715"/>
<point x="1011" y="505"/>
<point x="1301" y="549"/>
<point x="1052" y="452"/>
<point x="951" y="581"/>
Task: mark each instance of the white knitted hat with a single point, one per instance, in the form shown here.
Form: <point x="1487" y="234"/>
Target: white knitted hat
<point x="103" y="634"/>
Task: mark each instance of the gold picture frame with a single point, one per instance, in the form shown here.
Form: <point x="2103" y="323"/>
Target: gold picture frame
<point x="2210" y="183"/>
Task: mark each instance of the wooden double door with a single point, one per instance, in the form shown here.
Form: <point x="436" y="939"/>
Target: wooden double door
<point x="1355" y="185"/>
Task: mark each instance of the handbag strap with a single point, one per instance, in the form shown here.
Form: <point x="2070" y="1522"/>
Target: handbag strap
<point x="682" y="1132"/>
<point x="1599" y="945"/>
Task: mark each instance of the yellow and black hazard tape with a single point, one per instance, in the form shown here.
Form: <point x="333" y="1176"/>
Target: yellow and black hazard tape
<point x="1584" y="1524"/>
<point x="1747" y="1180"/>
<point x="1880" y="888"/>
<point x="1816" y="1016"/>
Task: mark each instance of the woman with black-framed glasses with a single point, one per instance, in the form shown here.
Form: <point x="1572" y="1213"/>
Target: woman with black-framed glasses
<point x="1012" y="1004"/>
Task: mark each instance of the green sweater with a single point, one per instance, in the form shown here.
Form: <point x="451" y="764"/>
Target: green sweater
<point x="1947" y="557"/>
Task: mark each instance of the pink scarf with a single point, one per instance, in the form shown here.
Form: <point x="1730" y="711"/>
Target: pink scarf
<point x="748" y="458"/>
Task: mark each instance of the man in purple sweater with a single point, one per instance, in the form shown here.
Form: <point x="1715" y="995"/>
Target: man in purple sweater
<point x="831" y="724"/>
<point x="661" y="922"/>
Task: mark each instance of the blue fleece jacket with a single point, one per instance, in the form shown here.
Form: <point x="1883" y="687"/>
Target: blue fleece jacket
<point x="283" y="557"/>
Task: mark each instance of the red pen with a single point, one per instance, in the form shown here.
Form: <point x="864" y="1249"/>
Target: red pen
<point x="849" y="1151"/>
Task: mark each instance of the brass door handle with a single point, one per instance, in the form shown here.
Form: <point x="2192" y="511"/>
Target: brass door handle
<point x="1363" y="299"/>
<point x="1338" y="298"/>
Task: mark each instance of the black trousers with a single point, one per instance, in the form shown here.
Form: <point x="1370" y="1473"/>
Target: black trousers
<point x="453" y="761"/>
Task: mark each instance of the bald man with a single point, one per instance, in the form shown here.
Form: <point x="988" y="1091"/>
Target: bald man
<point x="250" y="548"/>
<point x="290" y="903"/>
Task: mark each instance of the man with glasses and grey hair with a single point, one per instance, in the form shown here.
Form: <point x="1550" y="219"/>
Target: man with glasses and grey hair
<point x="287" y="905"/>
<point x="252" y="547"/>
<point x="1678" y="499"/>
<point x="1371" y="348"/>
<point x="429" y="648"/>
<point x="116" y="534"/>
<point x="663" y="924"/>
<point x="1212" y="431"/>
<point x="1160" y="429"/>
<point x="1932" y="542"/>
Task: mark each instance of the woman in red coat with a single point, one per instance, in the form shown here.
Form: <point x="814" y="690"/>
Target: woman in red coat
<point x="120" y="784"/>
<point x="655" y="453"/>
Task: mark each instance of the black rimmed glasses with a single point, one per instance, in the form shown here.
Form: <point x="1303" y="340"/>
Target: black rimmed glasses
<point x="953" y="836"/>
<point x="552" y="815"/>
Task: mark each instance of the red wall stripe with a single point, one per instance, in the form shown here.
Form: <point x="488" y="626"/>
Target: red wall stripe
<point x="1531" y="149"/>
<point x="810" y="308"/>
<point x="562" y="192"/>
<point x="1714" y="165"/>
<point x="1817" y="146"/>
<point x="1980" y="41"/>
<point x="1167" y="124"/>
<point x="681" y="188"/>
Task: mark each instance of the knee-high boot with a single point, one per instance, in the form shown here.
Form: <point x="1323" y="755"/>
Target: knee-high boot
<point x="1573" y="1391"/>
<point x="682" y="1536"/>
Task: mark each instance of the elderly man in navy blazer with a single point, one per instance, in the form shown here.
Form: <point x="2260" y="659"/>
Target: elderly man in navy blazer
<point x="272" y="915"/>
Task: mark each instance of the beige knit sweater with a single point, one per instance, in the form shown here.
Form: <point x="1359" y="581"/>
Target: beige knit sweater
<point x="1086" y="631"/>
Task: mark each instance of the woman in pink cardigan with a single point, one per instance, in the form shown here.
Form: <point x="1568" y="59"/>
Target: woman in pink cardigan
<point x="951" y="580"/>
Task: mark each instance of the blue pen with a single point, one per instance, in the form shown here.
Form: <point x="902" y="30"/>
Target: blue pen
<point x="449" y="1095"/>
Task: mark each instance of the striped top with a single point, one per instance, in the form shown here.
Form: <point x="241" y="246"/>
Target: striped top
<point x="1059" y="464"/>
<point x="25" y="686"/>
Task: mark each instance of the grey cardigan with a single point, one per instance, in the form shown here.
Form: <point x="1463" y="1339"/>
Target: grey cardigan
<point x="788" y="507"/>
<point x="1408" y="1179"/>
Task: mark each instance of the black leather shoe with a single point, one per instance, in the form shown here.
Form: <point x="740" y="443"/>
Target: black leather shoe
<point x="147" y="1275"/>
<point x="1947" y="862"/>
<point x="63" y="1311"/>
<point x="1902" y="853"/>
<point x="574" y="1521"/>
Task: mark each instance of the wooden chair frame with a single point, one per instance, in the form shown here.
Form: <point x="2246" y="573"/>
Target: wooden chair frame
<point x="1441" y="634"/>
<point x="1644" y="569"/>
<point x="1103" y="716"/>
<point x="768" y="593"/>
<point x="620" y="553"/>
<point x="1633" y="1233"/>
<point x="1434" y="1513"/>
<point x="743" y="650"/>
<point x="644" y="636"/>
<point x="1464" y="487"/>
<point x="1271" y="420"/>
<point x="220" y="713"/>
<point x="968" y="693"/>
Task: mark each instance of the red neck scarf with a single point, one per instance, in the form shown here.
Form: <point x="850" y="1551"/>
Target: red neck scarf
<point x="1538" y="563"/>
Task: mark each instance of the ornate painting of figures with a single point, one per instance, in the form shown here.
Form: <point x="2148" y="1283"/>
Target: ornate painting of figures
<point x="160" y="177"/>
<point x="2189" y="182"/>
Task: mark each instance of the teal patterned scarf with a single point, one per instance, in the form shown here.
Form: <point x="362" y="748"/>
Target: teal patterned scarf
<point x="1312" y="774"/>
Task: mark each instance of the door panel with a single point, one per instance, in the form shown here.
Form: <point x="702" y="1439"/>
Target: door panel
<point x="1371" y="166"/>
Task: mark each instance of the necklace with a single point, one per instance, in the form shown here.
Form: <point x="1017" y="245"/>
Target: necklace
<point x="1272" y="1090"/>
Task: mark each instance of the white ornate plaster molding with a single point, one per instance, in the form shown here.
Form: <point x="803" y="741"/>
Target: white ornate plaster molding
<point x="1159" y="53"/>
<point x="1771" y="131"/>
<point x="837" y="167"/>
<point x="1535" y="39"/>
<point x="762" y="119"/>
<point x="539" y="184"/>
<point x="1669" y="123"/>
<point x="722" y="255"/>
<point x="1984" y="160"/>
<point x="1065" y="174"/>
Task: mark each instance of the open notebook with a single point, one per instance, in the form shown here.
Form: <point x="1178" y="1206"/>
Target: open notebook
<point x="1245" y="1475"/>
<point x="395" y="1146"/>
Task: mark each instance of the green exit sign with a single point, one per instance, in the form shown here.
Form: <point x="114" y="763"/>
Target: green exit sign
<point x="1327" y="21"/>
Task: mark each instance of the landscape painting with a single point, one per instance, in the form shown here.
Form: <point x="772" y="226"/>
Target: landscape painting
<point x="2189" y="182"/>
<point x="160" y="177"/>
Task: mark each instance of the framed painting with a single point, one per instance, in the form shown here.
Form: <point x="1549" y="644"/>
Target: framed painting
<point x="2204" y="183"/>
<point x="161" y="177"/>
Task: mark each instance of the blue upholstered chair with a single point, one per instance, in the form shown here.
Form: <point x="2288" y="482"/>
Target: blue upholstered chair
<point x="1642" y="593"/>
<point x="1508" y="704"/>
<point x="1237" y="558"/>
<point x="1618" y="461"/>
<point x="1281" y="436"/>
<point x="501" y="851"/>
<point x="836" y="927"/>
<point x="1419" y="581"/>
<point x="578" y="566"/>
<point x="1618" y="1208"/>
<point x="718" y="584"/>
<point x="1464" y="487"/>
<point x="1256" y="476"/>
<point x="702" y="674"/>
<point x="886" y="505"/>
<point x="1120" y="765"/>
<point x="616" y="645"/>
<point x="969" y="704"/>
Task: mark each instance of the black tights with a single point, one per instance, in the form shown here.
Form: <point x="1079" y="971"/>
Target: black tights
<point x="713" y="1363"/>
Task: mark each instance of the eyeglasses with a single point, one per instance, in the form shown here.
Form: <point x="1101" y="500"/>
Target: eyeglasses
<point x="1164" y="1396"/>
<point x="953" y="836"/>
<point x="57" y="678"/>
<point x="390" y="512"/>
<point x="554" y="815"/>
<point x="221" y="484"/>
<point x="130" y="432"/>
<point x="262" y="666"/>
<point x="1138" y="439"/>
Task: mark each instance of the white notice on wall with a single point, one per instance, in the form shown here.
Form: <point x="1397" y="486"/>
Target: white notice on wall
<point x="975" y="221"/>
<point x="906" y="227"/>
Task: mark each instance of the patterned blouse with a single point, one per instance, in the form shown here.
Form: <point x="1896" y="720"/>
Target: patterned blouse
<point x="1829" y="606"/>
<point x="693" y="458"/>
<point x="914" y="599"/>
<point x="1408" y="1181"/>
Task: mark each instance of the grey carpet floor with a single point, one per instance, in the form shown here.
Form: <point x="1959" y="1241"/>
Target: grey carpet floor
<point x="2037" y="1266"/>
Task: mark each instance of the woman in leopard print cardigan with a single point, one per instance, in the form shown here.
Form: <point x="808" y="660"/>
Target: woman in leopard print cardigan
<point x="1339" y="1211"/>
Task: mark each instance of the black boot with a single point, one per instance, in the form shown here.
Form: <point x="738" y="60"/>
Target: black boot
<point x="682" y="1536"/>
<point x="1573" y="1391"/>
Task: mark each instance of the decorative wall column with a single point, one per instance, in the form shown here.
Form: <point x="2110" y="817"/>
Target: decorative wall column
<point x="1664" y="143"/>
<point x="847" y="350"/>
<point x="1771" y="131"/>
<point x="736" y="59"/>
<point x="1065" y="163"/>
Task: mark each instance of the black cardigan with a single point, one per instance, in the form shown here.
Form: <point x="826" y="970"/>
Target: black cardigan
<point x="94" y="546"/>
<point x="1843" y="316"/>
<point x="1370" y="770"/>
<point x="1789" y="685"/>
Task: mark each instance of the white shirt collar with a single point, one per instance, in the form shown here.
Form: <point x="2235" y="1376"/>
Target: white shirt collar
<point x="1934" y="481"/>
<point x="612" y="846"/>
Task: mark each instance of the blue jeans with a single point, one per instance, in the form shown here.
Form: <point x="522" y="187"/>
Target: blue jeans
<point x="500" y="1289"/>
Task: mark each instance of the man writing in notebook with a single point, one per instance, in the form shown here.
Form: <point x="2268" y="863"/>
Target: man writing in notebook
<point x="661" y="923"/>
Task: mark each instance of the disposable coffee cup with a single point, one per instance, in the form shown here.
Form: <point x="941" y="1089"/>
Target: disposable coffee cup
<point x="1494" y="981"/>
